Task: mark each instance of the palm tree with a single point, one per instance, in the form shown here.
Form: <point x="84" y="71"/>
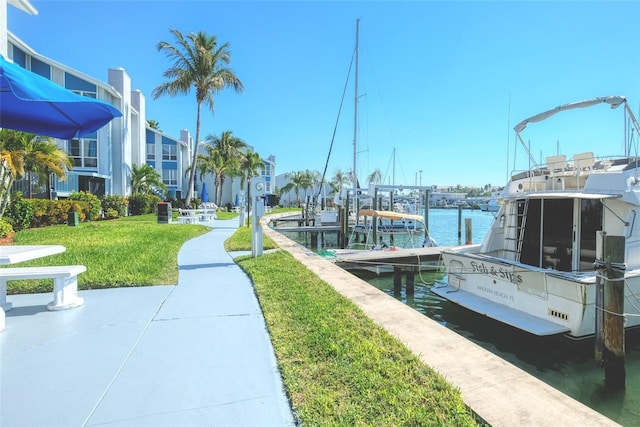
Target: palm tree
<point x="43" y="157"/>
<point x="230" y="150"/>
<point x="212" y="163"/>
<point x="153" y="124"/>
<point x="340" y="179"/>
<point x="296" y="182"/>
<point x="144" y="179"/>
<point x="23" y="151"/>
<point x="251" y="164"/>
<point x="199" y="62"/>
<point x="287" y="189"/>
<point x="375" y="177"/>
<point x="11" y="162"/>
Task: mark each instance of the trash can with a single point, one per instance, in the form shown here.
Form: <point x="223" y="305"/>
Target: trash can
<point x="73" y="219"/>
<point x="164" y="212"/>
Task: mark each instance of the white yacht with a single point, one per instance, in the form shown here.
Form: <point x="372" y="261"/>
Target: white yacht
<point x="535" y="268"/>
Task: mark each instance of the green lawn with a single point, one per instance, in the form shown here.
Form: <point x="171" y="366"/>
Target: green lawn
<point x="339" y="368"/>
<point x="131" y="251"/>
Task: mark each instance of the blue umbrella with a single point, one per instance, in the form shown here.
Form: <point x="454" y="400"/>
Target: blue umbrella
<point x="31" y="103"/>
<point x="204" y="196"/>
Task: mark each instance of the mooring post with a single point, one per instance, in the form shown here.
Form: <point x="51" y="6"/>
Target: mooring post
<point x="314" y="239"/>
<point x="599" y="327"/>
<point x="468" y="231"/>
<point x="410" y="282"/>
<point x="614" y="353"/>
<point x="459" y="224"/>
<point x="397" y="280"/>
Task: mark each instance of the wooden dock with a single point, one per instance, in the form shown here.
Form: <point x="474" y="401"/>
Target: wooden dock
<point x="309" y="228"/>
<point x="406" y="259"/>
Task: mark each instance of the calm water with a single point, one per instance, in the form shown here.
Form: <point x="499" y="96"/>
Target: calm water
<point x="566" y="365"/>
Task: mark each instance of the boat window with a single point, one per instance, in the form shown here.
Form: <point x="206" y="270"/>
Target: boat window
<point x="558" y="234"/>
<point x="530" y="217"/>
<point x="590" y="223"/>
<point x="555" y="218"/>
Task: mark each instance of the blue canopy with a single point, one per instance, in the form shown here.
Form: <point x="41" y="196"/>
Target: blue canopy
<point x="204" y="196"/>
<point x="31" y="103"/>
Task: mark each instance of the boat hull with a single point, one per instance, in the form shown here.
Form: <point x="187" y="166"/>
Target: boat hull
<point x="540" y="301"/>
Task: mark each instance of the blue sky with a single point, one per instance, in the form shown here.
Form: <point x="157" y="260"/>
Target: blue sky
<point x="441" y="84"/>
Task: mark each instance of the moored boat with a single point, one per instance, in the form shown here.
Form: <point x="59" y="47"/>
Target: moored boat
<point x="535" y="268"/>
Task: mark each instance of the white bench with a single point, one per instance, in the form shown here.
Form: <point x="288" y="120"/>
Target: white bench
<point x="65" y="284"/>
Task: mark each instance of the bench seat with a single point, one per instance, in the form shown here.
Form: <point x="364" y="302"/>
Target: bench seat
<point x="65" y="284"/>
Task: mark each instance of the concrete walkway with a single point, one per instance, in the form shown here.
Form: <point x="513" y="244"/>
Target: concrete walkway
<point x="196" y="354"/>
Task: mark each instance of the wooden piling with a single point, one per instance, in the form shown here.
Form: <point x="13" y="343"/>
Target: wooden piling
<point x="410" y="282"/>
<point x="614" y="352"/>
<point x="459" y="223"/>
<point x="599" y="327"/>
<point x="397" y="281"/>
<point x="468" y="231"/>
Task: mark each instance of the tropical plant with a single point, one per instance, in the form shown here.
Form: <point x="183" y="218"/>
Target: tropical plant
<point x="298" y="180"/>
<point x="375" y="177"/>
<point x="340" y="179"/>
<point x="199" y="63"/>
<point x="229" y="150"/>
<point x="93" y="205"/>
<point x="23" y="151"/>
<point x="19" y="212"/>
<point x="211" y="162"/>
<point x="153" y="124"/>
<point x="43" y="157"/>
<point x="12" y="145"/>
<point x="145" y="179"/>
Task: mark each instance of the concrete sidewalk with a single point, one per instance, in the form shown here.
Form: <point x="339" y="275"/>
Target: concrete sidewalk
<point x="190" y="355"/>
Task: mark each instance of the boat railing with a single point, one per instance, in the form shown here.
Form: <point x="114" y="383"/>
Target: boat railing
<point x="560" y="173"/>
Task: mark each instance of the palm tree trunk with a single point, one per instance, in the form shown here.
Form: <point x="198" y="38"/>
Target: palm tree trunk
<point x="192" y="175"/>
<point x="6" y="181"/>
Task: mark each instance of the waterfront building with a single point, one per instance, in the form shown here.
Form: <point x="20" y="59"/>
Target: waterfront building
<point x="102" y="161"/>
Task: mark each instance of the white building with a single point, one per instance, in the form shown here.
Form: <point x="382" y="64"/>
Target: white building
<point x="102" y="162"/>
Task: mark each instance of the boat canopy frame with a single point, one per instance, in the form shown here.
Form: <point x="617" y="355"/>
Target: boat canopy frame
<point x="613" y="101"/>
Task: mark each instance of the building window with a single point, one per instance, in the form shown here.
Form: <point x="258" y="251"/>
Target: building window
<point x="151" y="151"/>
<point x="84" y="152"/>
<point x="80" y="86"/>
<point x="170" y="177"/>
<point x="169" y="152"/>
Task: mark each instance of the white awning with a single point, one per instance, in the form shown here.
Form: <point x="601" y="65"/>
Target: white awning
<point x="614" y="101"/>
<point x="564" y="195"/>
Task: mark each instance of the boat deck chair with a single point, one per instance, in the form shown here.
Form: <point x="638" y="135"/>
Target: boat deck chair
<point x="558" y="169"/>
<point x="583" y="164"/>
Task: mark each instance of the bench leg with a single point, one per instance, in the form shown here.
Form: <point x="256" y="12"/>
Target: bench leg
<point x="6" y="306"/>
<point x="65" y="294"/>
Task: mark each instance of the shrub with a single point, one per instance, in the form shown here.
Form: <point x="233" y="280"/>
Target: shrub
<point x="140" y="204"/>
<point x="111" y="213"/>
<point x="19" y="213"/>
<point x="52" y="212"/>
<point x="92" y="207"/>
<point x="5" y="228"/>
<point x="116" y="203"/>
<point x="175" y="203"/>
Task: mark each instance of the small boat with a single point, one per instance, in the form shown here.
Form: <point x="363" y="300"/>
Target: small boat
<point x="380" y="231"/>
<point x="535" y="268"/>
<point x="492" y="205"/>
<point x="384" y="230"/>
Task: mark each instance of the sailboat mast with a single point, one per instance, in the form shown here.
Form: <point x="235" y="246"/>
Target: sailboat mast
<point x="355" y="116"/>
